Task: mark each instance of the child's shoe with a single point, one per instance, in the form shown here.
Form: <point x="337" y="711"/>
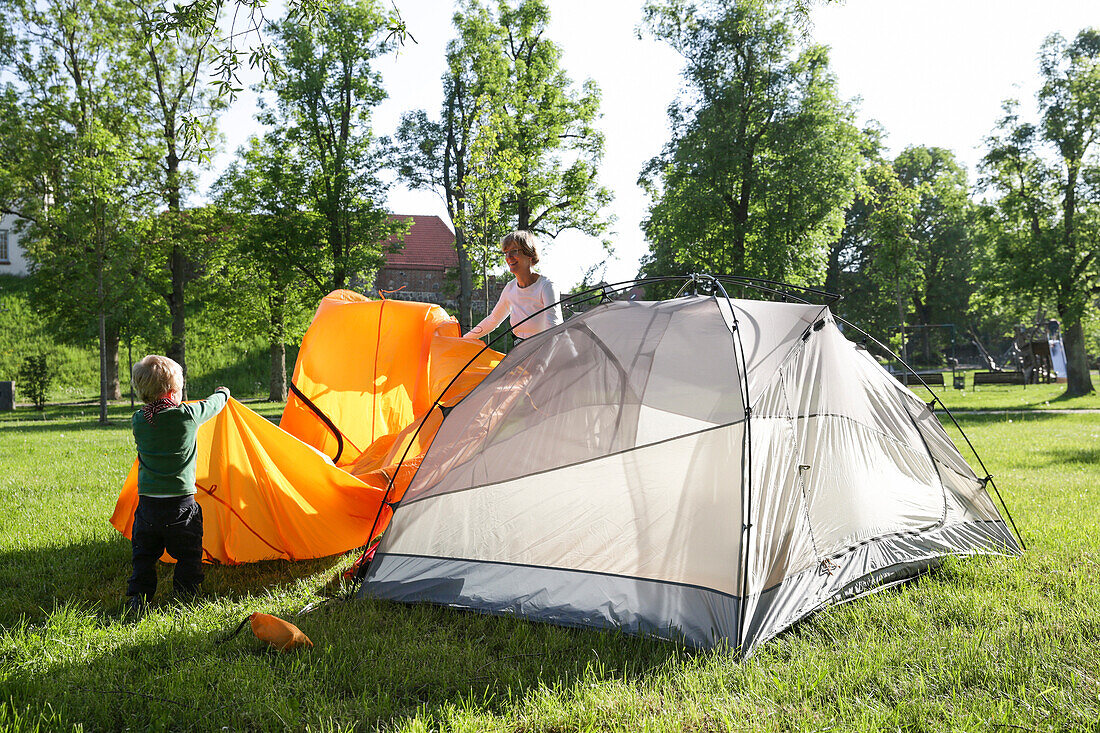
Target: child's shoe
<point x="136" y="605"/>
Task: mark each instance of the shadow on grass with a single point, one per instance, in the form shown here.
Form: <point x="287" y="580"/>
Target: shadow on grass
<point x="1065" y="397"/>
<point x="373" y="664"/>
<point x="67" y="425"/>
<point x="1057" y="455"/>
<point x="967" y="419"/>
<point x="95" y="573"/>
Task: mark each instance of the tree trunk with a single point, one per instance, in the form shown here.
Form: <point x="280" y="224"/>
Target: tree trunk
<point x="1078" y="379"/>
<point x="523" y="208"/>
<point x="832" y="268"/>
<point x="277" y="385"/>
<point x="102" y="356"/>
<point x="465" y="283"/>
<point x="177" y="347"/>
<point x="924" y="319"/>
<point x="901" y="323"/>
<point x="101" y="306"/>
<point x="114" y="390"/>
<point x="277" y="389"/>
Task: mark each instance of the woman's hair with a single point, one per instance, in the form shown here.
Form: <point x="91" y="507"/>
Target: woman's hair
<point x="523" y="239"/>
<point x="155" y="376"/>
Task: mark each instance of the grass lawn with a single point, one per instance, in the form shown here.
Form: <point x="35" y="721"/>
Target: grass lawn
<point x="1010" y="396"/>
<point x="986" y="644"/>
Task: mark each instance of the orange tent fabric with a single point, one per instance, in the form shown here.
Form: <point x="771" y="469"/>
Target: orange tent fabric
<point x="374" y="368"/>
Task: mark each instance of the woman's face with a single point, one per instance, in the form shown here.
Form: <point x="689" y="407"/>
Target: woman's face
<point x="515" y="259"/>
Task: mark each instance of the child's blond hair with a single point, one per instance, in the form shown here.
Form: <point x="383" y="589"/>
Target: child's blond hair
<point x="155" y="376"/>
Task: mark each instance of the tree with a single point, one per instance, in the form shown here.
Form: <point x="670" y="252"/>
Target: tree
<point x="323" y="109"/>
<point x="550" y="130"/>
<point x="435" y="156"/>
<point x="762" y="159"/>
<point x="491" y="175"/>
<point x="273" y="236"/>
<point x="508" y="110"/>
<point x="1047" y="188"/>
<point x="179" y="115"/>
<point x="244" y="32"/>
<point x="942" y="230"/>
<point x="71" y="162"/>
<point x="875" y="262"/>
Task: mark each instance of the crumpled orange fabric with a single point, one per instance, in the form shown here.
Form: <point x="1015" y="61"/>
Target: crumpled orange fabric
<point x="374" y="368"/>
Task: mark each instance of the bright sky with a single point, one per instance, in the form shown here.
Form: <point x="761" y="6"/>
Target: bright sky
<point x="932" y="73"/>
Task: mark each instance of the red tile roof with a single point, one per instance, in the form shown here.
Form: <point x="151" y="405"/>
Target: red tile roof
<point x="429" y="245"/>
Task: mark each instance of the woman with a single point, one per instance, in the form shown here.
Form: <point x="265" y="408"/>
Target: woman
<point x="529" y="293"/>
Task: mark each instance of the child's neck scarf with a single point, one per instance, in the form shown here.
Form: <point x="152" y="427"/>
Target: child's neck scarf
<point x="151" y="410"/>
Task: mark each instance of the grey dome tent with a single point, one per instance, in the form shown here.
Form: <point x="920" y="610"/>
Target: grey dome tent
<point x="703" y="469"/>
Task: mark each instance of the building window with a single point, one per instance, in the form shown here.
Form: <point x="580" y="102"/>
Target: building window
<point x="4" y="247"/>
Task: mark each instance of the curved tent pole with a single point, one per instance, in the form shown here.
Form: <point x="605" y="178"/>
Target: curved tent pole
<point x="786" y="296"/>
<point x="988" y="480"/>
<point x="371" y="540"/>
<point x="746" y="467"/>
<point x="323" y="417"/>
<point x="768" y="285"/>
<point x="570" y="298"/>
<point x="761" y="284"/>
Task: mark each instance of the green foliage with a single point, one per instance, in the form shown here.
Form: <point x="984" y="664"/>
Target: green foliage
<point x="492" y="171"/>
<point x="515" y="146"/>
<point x="235" y="30"/>
<point x="219" y="353"/>
<point x="1045" y="216"/>
<point x="180" y="109"/>
<point x="303" y="204"/>
<point x="907" y="254"/>
<point x="322" y="117"/>
<point x="21" y="329"/>
<point x="34" y="378"/>
<point x="943" y="229"/>
<point x="761" y="164"/>
<point x="549" y="130"/>
<point x="875" y="261"/>
<point x="72" y="145"/>
<point x="241" y="364"/>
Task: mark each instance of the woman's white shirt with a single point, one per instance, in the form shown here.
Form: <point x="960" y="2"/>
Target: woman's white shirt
<point x="519" y="303"/>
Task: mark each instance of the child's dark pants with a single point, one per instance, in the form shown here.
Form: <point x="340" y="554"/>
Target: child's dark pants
<point x="173" y="524"/>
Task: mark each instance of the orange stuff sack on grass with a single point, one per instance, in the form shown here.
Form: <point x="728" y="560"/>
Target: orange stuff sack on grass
<point x="281" y="635"/>
<point x="374" y="369"/>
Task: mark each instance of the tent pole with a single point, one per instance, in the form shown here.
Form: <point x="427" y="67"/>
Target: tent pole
<point x="746" y="469"/>
<point x="757" y="283"/>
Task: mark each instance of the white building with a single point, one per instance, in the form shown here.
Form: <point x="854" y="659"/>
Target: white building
<point x="12" y="258"/>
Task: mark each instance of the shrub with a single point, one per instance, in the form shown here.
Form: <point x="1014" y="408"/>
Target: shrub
<point x="34" y="379"/>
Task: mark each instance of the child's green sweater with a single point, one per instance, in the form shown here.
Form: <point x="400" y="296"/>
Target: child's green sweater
<point x="167" y="451"/>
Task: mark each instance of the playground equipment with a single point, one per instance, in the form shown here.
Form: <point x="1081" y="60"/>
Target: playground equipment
<point x="1035" y="356"/>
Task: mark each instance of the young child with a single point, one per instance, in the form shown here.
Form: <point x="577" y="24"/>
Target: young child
<point x="167" y="516"/>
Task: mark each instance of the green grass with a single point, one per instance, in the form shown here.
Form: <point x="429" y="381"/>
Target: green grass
<point x="1010" y="396"/>
<point x="986" y="644"/>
